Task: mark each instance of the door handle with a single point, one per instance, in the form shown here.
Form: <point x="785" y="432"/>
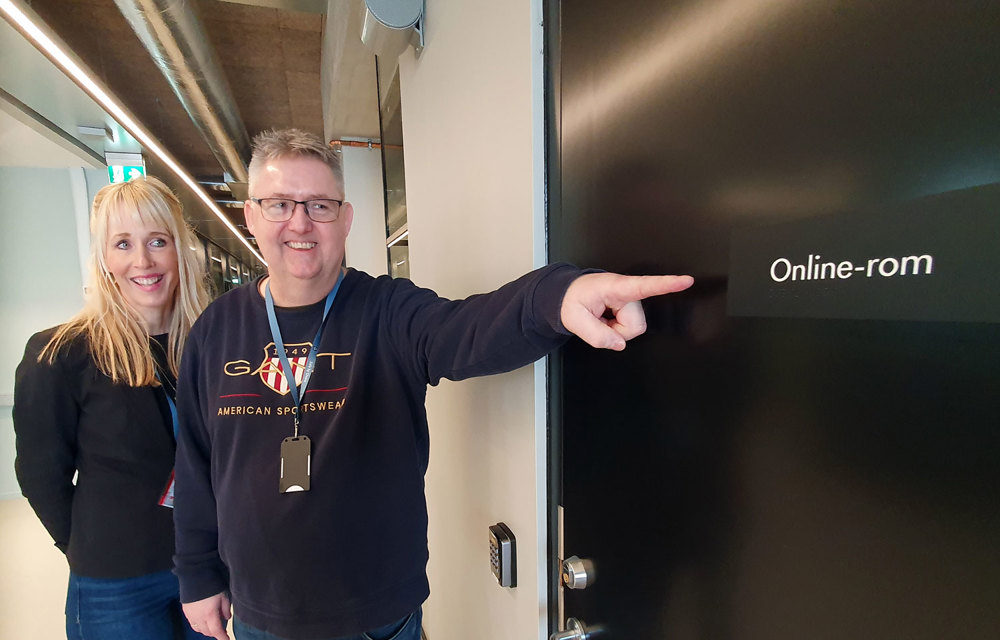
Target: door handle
<point x="577" y="573"/>
<point x="575" y="630"/>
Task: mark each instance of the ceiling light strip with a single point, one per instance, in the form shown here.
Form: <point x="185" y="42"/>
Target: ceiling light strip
<point x="50" y="45"/>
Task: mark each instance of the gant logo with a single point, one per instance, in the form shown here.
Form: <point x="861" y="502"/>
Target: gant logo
<point x="270" y="371"/>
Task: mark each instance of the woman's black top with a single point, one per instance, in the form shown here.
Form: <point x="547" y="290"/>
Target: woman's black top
<point x="70" y="418"/>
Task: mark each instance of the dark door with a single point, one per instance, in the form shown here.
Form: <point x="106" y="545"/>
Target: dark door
<point x="826" y="466"/>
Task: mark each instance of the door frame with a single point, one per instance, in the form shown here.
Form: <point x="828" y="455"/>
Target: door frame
<point x="551" y="10"/>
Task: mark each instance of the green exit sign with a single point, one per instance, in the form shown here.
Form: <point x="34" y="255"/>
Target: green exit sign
<point x="123" y="167"/>
<point x="118" y="173"/>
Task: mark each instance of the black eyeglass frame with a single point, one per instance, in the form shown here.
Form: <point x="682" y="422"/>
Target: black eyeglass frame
<point x="305" y="205"/>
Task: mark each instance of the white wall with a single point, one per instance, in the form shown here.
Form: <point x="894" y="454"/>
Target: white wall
<point x="363" y="188"/>
<point x="472" y="128"/>
<point x="40" y="283"/>
<point x="40" y="286"/>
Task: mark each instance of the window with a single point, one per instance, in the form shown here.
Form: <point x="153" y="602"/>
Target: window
<point x="393" y="174"/>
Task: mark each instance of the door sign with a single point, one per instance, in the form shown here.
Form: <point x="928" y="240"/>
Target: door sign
<point x="933" y="259"/>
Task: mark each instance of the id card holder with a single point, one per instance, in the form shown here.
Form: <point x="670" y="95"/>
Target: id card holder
<point x="167" y="498"/>
<point x="296" y="464"/>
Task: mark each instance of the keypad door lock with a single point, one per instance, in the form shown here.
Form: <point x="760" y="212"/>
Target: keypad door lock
<point x="577" y="573"/>
<point x="575" y="630"/>
<point x="503" y="558"/>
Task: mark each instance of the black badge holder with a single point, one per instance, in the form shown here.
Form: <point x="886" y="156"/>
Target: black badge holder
<point x="296" y="463"/>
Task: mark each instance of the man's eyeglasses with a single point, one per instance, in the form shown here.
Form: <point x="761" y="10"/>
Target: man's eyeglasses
<point x="281" y="209"/>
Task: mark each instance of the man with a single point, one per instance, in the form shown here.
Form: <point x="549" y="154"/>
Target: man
<point x="304" y="437"/>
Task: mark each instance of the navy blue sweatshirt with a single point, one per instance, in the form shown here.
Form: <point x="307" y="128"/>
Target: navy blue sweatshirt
<point x="349" y="555"/>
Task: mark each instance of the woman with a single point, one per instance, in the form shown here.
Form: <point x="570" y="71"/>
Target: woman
<point x="94" y="398"/>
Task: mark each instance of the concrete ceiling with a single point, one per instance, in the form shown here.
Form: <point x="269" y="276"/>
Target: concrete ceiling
<point x="270" y="56"/>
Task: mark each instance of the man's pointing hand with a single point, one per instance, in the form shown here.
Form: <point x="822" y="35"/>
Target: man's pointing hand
<point x="590" y="297"/>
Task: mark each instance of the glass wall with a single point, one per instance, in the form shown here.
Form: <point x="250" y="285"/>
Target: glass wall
<point x="391" y="124"/>
<point x="225" y="271"/>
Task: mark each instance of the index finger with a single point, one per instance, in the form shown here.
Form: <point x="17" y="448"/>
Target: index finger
<point x="642" y="287"/>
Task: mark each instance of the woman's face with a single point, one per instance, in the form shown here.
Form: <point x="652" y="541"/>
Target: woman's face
<point x="143" y="260"/>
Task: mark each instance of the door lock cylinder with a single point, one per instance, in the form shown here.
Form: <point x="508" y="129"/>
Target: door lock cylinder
<point x="577" y="573"/>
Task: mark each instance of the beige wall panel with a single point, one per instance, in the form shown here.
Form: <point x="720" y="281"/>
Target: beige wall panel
<point x="472" y="123"/>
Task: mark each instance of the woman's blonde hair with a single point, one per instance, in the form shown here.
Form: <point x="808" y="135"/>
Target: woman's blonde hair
<point x="115" y="333"/>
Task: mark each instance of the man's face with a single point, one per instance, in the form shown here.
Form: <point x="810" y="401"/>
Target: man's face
<point x="299" y="249"/>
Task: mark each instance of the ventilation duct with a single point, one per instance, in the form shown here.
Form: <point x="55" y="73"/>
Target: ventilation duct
<point x="392" y="25"/>
<point x="175" y="37"/>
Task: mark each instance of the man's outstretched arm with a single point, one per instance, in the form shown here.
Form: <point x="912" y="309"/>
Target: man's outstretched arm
<point x="591" y="296"/>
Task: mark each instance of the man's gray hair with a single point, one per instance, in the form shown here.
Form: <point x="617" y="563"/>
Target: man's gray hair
<point x="283" y="143"/>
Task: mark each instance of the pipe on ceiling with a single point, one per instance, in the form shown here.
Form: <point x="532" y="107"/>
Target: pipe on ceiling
<point x="175" y="37"/>
<point x="370" y="144"/>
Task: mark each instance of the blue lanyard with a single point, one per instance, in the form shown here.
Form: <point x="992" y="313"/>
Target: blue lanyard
<point x="279" y="346"/>
<point x="170" y="403"/>
<point x="173" y="412"/>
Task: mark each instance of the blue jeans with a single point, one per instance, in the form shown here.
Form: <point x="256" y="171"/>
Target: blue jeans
<point x="146" y="607"/>
<point x="406" y="629"/>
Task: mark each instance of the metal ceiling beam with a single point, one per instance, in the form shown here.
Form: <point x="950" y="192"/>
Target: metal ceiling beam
<point x="347" y="77"/>
<point x="173" y="33"/>
<point x="49" y="130"/>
